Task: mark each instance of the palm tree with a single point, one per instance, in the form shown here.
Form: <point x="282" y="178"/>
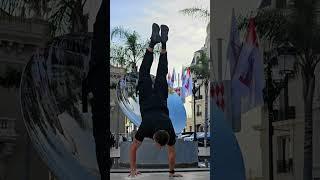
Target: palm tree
<point x="118" y="56"/>
<point x="298" y="24"/>
<point x="11" y="7"/>
<point x="63" y="15"/>
<point x="68" y="16"/>
<point x="204" y="69"/>
<point x="133" y="47"/>
<point x="39" y="8"/>
<point x="197" y="12"/>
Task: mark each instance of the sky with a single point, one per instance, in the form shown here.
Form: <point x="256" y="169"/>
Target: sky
<point x="186" y="34"/>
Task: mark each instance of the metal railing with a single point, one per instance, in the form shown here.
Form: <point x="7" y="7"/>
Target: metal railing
<point x="7" y="127"/>
<point x="285" y="166"/>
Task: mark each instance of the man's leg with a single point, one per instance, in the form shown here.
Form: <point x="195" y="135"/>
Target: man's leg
<point x="161" y="84"/>
<point x="145" y="82"/>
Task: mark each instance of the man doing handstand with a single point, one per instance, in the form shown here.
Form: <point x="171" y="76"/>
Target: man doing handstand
<point x="156" y="123"/>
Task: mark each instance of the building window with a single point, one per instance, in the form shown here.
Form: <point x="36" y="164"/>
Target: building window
<point x="199" y="110"/>
<point x="284" y="158"/>
<point x="281" y="4"/>
<point x="3" y="124"/>
<point x="198" y="97"/>
<point x="190" y="128"/>
<point x="198" y="127"/>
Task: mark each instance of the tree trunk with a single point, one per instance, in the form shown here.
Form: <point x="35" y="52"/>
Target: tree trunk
<point x="308" y="92"/>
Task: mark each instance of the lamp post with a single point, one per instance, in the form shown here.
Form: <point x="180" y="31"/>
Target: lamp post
<point x="112" y="108"/>
<point x="273" y="90"/>
<point x="195" y="89"/>
<point x="117" y="129"/>
<point x="194" y="114"/>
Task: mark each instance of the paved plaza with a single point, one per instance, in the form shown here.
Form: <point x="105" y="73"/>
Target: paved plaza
<point x="205" y="175"/>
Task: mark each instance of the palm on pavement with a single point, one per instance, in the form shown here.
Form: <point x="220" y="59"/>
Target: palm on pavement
<point x="134" y="173"/>
<point x="175" y="175"/>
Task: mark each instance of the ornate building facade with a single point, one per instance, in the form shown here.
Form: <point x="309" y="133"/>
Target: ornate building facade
<point x="19" y="39"/>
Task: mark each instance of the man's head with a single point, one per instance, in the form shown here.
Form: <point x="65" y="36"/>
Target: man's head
<point x="161" y="137"/>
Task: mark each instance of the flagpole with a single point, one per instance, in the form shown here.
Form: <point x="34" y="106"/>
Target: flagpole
<point x="219" y="59"/>
<point x="178" y="80"/>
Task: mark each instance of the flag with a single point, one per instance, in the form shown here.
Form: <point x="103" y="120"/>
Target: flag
<point x="169" y="79"/>
<point x="189" y="83"/>
<point x="177" y="90"/>
<point x="182" y="74"/>
<point x="248" y="79"/>
<point x="186" y="88"/>
<point x="182" y="89"/>
<point x="173" y="77"/>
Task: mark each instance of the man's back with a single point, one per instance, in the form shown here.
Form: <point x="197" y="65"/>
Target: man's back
<point x="154" y="120"/>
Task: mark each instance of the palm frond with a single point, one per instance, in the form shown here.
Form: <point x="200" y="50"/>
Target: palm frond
<point x="196" y="12"/>
<point x="200" y="69"/>
<point x="120" y="32"/>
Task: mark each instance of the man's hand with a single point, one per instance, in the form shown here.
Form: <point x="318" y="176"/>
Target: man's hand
<point x="175" y="175"/>
<point x="134" y="173"/>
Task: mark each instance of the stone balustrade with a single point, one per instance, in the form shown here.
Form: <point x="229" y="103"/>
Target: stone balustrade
<point x="7" y="136"/>
<point x="7" y="129"/>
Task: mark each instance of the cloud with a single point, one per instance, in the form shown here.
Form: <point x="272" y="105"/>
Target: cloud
<point x="186" y="34"/>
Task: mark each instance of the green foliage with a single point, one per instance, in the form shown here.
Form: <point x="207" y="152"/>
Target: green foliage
<point x="118" y="56"/>
<point x="63" y="16"/>
<point x="201" y="68"/>
<point x="298" y="24"/>
<point x="197" y="12"/>
<point x="133" y="48"/>
<point x="271" y="25"/>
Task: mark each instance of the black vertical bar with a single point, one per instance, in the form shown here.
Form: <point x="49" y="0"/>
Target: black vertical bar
<point x="286" y="98"/>
<point x="270" y="118"/>
<point x="194" y="115"/>
<point x="98" y="81"/>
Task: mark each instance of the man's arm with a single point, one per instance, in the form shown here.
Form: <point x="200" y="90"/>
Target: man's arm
<point x="172" y="161"/>
<point x="133" y="153"/>
<point x="171" y="157"/>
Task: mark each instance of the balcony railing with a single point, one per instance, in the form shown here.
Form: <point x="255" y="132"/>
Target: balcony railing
<point x="198" y="97"/>
<point x="280" y="116"/>
<point x="7" y="128"/>
<point x="284" y="166"/>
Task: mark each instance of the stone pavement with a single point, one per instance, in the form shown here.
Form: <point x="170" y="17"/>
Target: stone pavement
<point x="204" y="175"/>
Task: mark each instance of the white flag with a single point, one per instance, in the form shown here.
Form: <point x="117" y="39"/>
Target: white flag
<point x="187" y="84"/>
<point x="248" y="79"/>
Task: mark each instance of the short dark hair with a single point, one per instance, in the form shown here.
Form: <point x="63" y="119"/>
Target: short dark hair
<point x="161" y="137"/>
